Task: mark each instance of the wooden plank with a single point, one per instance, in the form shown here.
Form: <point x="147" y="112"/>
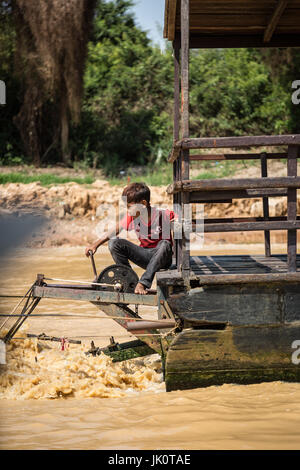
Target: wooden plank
<point x="264" y="174"/>
<point x="246" y="226"/>
<point x="200" y="358"/>
<point x="247" y="303"/>
<point x="176" y="48"/>
<point x="232" y="263"/>
<point x="185" y="68"/>
<point x="291" y="302"/>
<point x="204" y="41"/>
<point x="238" y="7"/>
<point x="218" y="196"/>
<point x="185" y="49"/>
<point x="243" y="219"/>
<point x="293" y="154"/>
<point x="236" y="304"/>
<point x="231" y="142"/>
<point x="225" y="184"/>
<point x="241" y="278"/>
<point x="169" y="20"/>
<point x="274" y="20"/>
<point x="236" y="156"/>
<point x="199" y="270"/>
<point x="174" y="278"/>
<point x="176" y="131"/>
<point x="166" y="14"/>
<point x="93" y="295"/>
<point x="244" y="141"/>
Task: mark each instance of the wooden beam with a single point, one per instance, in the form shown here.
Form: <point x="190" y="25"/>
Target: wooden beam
<point x="232" y="142"/>
<point x="166" y="13"/>
<point x="185" y="33"/>
<point x="235" y="183"/>
<point x="184" y="243"/>
<point x="249" y="226"/>
<point x="176" y="130"/>
<point x="244" y="219"/>
<point x="206" y="41"/>
<point x="170" y="17"/>
<point x="293" y="154"/>
<point x="274" y="20"/>
<point x="236" y="156"/>
<point x="219" y="196"/>
<point x="264" y="174"/>
<point x="244" y="141"/>
<point x="247" y="278"/>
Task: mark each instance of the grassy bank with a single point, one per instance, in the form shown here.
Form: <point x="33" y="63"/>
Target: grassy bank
<point x="161" y="175"/>
<point x="44" y="179"/>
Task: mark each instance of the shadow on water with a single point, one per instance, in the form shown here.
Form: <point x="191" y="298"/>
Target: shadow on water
<point x="15" y="229"/>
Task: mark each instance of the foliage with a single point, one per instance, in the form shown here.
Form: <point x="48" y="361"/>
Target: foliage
<point x="10" y="144"/>
<point x="127" y="107"/>
<point x="124" y="118"/>
<point x="234" y="94"/>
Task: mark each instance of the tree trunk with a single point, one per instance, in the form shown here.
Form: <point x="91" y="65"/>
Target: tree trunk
<point x="65" y="150"/>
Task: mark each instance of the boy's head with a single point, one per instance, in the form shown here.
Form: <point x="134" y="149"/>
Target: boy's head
<point x="134" y="195"/>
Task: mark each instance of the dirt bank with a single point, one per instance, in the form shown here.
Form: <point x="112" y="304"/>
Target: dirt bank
<point x="73" y="212"/>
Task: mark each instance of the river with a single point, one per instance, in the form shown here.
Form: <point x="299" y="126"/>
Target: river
<point x="62" y="399"/>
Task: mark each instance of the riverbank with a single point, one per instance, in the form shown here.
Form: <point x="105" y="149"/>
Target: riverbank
<point x="75" y="213"/>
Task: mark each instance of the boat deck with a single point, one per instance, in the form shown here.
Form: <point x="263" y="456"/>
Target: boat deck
<point x="243" y="264"/>
<point x="217" y="269"/>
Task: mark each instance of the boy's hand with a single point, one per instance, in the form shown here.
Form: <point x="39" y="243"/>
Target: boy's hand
<point x="92" y="248"/>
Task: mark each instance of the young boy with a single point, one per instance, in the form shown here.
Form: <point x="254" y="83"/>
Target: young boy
<point x="152" y="227"/>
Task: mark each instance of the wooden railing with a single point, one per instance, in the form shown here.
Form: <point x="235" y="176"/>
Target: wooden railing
<point x="225" y="189"/>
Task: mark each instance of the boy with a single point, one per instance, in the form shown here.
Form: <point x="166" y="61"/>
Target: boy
<point x="152" y="227"/>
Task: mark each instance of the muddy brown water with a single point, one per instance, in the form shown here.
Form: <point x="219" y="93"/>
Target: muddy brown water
<point x="54" y="399"/>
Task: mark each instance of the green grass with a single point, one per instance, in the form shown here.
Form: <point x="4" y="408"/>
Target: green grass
<point x="45" y="179"/>
<point x="156" y="176"/>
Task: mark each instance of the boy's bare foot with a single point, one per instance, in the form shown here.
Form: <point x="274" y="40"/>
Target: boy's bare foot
<point x="140" y="289"/>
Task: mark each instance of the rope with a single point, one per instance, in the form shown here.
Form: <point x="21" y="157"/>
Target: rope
<point x="78" y="282"/>
<point x="77" y="316"/>
<point x="11" y="296"/>
<point x="15" y="308"/>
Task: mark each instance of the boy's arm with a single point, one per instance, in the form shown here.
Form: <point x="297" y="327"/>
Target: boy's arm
<point x="114" y="231"/>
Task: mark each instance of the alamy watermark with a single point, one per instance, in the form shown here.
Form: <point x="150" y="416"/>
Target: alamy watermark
<point x="186" y="223"/>
<point x="296" y="94"/>
<point x="296" y="354"/>
<point x="2" y="92"/>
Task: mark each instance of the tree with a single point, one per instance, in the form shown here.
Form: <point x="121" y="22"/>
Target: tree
<point x="127" y="107"/>
<point x="51" y="46"/>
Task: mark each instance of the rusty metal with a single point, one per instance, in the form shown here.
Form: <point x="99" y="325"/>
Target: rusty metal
<point x="120" y="278"/>
<point x="91" y="255"/>
<point x="118" y="351"/>
<point x="44" y="337"/>
<point x="149" y="325"/>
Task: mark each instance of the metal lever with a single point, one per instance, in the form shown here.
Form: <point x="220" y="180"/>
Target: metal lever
<point x="93" y="264"/>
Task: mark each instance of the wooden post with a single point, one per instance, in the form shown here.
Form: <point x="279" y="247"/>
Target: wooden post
<point x="264" y="174"/>
<point x="293" y="153"/>
<point x="185" y="49"/>
<point x="176" y="131"/>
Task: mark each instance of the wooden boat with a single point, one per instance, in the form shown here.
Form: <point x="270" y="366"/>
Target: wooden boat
<point x="227" y="319"/>
<point x="249" y="306"/>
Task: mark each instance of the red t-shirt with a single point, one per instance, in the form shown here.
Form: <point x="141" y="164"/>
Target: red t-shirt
<point x="157" y="229"/>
